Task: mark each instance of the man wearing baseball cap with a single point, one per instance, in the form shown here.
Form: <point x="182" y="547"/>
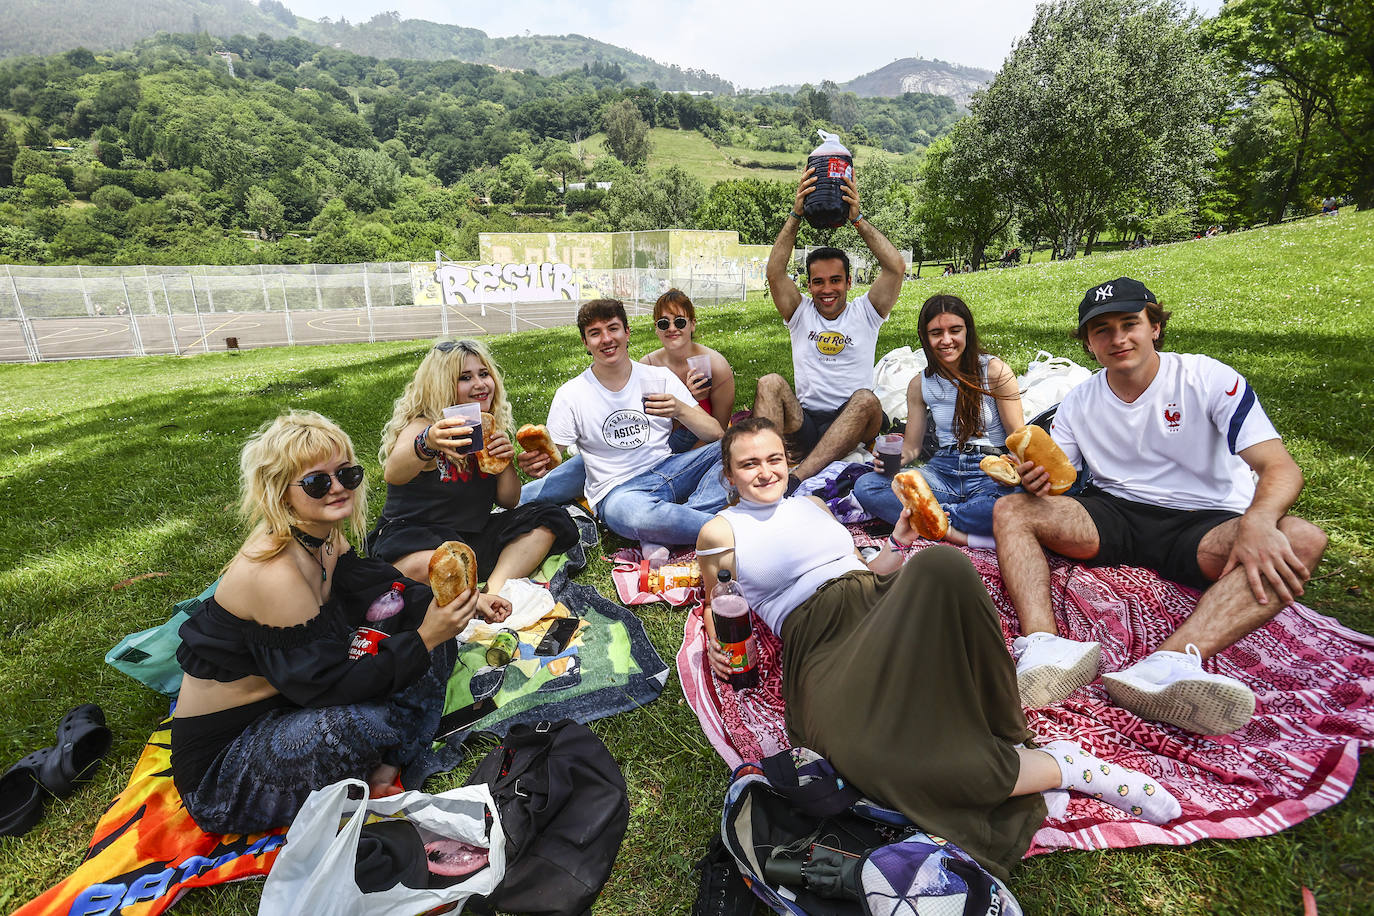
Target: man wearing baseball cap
<point x="1187" y="477"/>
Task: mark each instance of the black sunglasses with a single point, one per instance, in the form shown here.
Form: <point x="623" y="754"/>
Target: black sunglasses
<point x="446" y="346"/>
<point x="317" y="485"/>
<point x="663" y="323"/>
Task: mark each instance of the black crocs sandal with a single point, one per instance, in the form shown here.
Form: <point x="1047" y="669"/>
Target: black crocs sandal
<point x="82" y="739"/>
<point x="22" y="795"/>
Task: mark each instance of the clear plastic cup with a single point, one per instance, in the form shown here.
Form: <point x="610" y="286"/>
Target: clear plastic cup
<point x="471" y="415"/>
<point x="888" y="450"/>
<point x="701" y="364"/>
<point x="650" y="386"/>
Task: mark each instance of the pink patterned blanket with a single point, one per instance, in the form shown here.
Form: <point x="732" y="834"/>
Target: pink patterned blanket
<point x="1312" y="677"/>
<point x="625" y="575"/>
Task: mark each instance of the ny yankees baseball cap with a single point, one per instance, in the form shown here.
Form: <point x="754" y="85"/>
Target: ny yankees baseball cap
<point x="1120" y="295"/>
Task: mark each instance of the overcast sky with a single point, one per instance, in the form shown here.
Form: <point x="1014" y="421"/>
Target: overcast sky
<point x="749" y="42"/>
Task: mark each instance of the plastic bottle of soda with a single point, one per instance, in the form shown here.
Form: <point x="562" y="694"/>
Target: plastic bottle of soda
<point x="734" y="631"/>
<point x="825" y="207"/>
<point x="387" y="605"/>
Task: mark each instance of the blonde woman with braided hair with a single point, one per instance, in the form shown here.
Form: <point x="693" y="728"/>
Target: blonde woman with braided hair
<point x="436" y="493"/>
<point x="292" y="679"/>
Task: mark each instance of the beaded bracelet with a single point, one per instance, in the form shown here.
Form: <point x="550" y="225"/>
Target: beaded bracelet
<point x="422" y="449"/>
<point x="855" y="220"/>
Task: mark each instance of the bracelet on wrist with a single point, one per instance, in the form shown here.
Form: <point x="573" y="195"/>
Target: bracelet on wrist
<point x="855" y="220"/>
<point x="796" y="216"/>
<point x="896" y="544"/>
<point x="422" y="449"/>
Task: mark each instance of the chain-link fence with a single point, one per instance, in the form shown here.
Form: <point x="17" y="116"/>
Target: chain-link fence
<point x="50" y="313"/>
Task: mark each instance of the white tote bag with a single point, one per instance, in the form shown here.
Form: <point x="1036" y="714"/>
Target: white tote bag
<point x="313" y="873"/>
<point x="891" y="376"/>
<point x="1048" y="378"/>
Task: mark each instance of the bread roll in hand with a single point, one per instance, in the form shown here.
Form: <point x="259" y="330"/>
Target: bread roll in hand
<point x="534" y="437"/>
<point x="1002" y="469"/>
<point x="452" y="571"/>
<point x="485" y="463"/>
<point x="1033" y="444"/>
<point x="928" y="517"/>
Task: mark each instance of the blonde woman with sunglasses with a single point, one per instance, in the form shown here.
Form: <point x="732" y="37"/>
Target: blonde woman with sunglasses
<point x="435" y="490"/>
<point x="675" y="323"/>
<point x="293" y="680"/>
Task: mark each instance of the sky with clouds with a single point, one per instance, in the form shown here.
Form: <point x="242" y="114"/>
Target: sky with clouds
<point x="751" y="43"/>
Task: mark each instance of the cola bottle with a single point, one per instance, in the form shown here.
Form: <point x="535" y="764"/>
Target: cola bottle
<point x="735" y="631"/>
<point x="824" y="207"/>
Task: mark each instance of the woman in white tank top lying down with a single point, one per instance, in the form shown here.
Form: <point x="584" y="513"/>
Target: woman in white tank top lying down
<point x="898" y="674"/>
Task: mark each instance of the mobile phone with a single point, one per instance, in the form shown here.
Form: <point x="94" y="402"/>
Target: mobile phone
<point x="460" y="719"/>
<point x="560" y="633"/>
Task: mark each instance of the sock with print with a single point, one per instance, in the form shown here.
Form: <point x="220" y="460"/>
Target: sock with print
<point x="1133" y="792"/>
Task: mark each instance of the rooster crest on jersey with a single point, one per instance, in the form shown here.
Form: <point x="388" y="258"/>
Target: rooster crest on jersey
<point x="1173" y="416"/>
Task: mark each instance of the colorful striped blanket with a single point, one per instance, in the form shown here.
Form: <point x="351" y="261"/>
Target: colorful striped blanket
<point x="1313" y="678"/>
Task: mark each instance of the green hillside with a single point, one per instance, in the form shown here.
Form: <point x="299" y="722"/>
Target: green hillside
<point x="1292" y="307"/>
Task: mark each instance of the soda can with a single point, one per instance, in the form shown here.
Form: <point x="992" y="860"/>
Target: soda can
<point x="503" y="648"/>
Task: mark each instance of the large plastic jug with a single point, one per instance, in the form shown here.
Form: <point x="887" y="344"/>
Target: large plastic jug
<point x="825" y="207"/>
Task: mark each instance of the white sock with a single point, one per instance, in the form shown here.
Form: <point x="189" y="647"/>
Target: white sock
<point x="1131" y="791"/>
<point x="982" y="541"/>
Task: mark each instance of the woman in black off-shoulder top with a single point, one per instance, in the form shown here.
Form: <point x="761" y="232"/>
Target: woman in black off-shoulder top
<point x="291" y="681"/>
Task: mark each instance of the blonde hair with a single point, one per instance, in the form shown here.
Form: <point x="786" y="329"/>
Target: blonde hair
<point x="274" y="458"/>
<point x="435" y="386"/>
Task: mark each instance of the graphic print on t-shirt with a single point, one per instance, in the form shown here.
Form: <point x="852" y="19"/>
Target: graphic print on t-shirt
<point x="626" y="429"/>
<point x="829" y="343"/>
<point x="1173" y="418"/>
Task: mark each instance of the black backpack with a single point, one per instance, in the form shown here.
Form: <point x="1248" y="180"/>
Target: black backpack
<point x="564" y="811"/>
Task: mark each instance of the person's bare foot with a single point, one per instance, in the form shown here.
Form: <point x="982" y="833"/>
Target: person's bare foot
<point x="382" y="781"/>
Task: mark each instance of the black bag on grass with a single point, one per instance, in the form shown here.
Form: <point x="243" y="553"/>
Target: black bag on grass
<point x="564" y="810"/>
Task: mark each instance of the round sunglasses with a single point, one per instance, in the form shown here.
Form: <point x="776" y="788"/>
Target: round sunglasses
<point x="317" y="485"/>
<point x="663" y="323"/>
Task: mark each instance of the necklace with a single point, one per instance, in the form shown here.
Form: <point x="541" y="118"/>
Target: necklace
<point x="313" y="547"/>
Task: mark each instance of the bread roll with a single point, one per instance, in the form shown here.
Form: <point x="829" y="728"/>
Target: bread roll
<point x="485" y="463"/>
<point x="927" y="515"/>
<point x="534" y="437"/>
<point x="452" y="571"/>
<point x="1002" y="469"/>
<point x="1033" y="444"/>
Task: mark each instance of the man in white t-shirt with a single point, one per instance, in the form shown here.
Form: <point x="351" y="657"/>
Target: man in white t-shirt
<point x="833" y="341"/>
<point x="620" y="414"/>
<point x="1189" y="478"/>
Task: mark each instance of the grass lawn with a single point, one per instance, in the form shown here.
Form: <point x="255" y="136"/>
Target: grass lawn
<point x="710" y="164"/>
<point x="114" y="469"/>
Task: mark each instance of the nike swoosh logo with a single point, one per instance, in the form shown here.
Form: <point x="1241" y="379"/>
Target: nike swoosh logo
<point x="1234" y="388"/>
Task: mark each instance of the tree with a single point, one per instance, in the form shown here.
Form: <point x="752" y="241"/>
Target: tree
<point x="265" y="213"/>
<point x="963" y="205"/>
<point x="1102" y="100"/>
<point x="562" y="165"/>
<point x="667" y="199"/>
<point x="9" y="149"/>
<point x="627" y="134"/>
<point x="45" y="191"/>
<point x="752" y="208"/>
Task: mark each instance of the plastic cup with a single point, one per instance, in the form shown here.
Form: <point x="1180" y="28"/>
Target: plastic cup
<point x="701" y="364"/>
<point x="471" y="415"/>
<point x="650" y="386"/>
<point x="888" y="450"/>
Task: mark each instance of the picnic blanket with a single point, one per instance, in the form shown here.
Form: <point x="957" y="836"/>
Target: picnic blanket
<point x="625" y="575"/>
<point x="147" y="852"/>
<point x="610" y="666"/>
<point x="1313" y="679"/>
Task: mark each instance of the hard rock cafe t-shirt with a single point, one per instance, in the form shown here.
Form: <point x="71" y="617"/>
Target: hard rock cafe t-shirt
<point x="617" y="439"/>
<point x="833" y="359"/>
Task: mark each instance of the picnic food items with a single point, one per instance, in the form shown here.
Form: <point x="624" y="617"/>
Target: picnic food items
<point x="1001" y="469"/>
<point x="674" y="575"/>
<point x="928" y="517"/>
<point x="452" y="571"/>
<point x="485" y="462"/>
<point x="534" y="437"/>
<point x="1033" y="444"/>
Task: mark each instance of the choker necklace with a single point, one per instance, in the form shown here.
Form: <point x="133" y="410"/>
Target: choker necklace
<point x="312" y="546"/>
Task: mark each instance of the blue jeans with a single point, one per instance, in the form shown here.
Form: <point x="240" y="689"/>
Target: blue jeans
<point x="959" y="485"/>
<point x="562" y="486"/>
<point x="669" y="503"/>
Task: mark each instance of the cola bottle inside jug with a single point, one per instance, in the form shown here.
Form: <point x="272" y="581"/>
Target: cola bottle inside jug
<point x="824" y="207"/>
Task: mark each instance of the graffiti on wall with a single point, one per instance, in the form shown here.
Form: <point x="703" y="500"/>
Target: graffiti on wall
<point x="471" y="284"/>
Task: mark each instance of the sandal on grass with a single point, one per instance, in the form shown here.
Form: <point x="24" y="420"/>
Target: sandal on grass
<point x="21" y="794"/>
<point x="82" y="739"/>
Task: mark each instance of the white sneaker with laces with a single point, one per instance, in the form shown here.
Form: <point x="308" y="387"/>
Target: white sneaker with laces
<point x="1172" y="687"/>
<point x="1050" y="667"/>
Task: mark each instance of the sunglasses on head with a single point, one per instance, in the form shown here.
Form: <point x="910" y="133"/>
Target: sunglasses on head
<point x="317" y="485"/>
<point x="448" y="346"/>
<point x="664" y="323"/>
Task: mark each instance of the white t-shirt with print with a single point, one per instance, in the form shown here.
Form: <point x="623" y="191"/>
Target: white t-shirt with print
<point x="833" y="359"/>
<point x="1177" y="444"/>
<point x="617" y="439"/>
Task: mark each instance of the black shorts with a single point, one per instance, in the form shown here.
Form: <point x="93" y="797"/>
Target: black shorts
<point x="1156" y="537"/>
<point x="396" y="538"/>
<point x="813" y="426"/>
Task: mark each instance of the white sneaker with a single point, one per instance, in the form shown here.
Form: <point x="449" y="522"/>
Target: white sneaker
<point x="1050" y="667"/>
<point x="1172" y="687"/>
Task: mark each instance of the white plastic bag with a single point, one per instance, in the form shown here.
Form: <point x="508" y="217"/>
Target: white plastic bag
<point x="891" y="377"/>
<point x="1048" y="378"/>
<point x="313" y="873"/>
